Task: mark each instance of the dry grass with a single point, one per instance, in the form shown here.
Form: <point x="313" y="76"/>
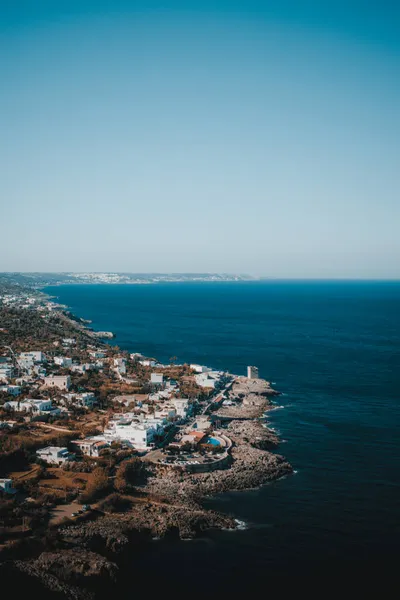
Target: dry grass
<point x="65" y="480"/>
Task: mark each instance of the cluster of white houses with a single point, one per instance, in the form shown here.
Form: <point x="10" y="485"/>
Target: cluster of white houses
<point x="33" y="406"/>
<point x="148" y="419"/>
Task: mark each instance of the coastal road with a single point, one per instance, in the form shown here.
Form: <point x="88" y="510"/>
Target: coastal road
<point x="220" y="394"/>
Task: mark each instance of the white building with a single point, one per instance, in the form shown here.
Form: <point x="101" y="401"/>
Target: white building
<point x="6" y="372"/>
<point x="157" y="379"/>
<point x="69" y="341"/>
<point x="165" y="413"/>
<point x="199" y="368"/>
<point x="252" y="373"/>
<point x="97" y="354"/>
<point x="137" y="432"/>
<point x="202" y="423"/>
<point x="6" y="486"/>
<point x="78" y="369"/>
<point x="120" y="364"/>
<point x="148" y="363"/>
<point x="7" y="424"/>
<point x="136" y="355"/>
<point x="160" y="395"/>
<point x="35" y="355"/>
<point x="13" y="390"/>
<point x="54" y="455"/>
<point x="90" y="446"/>
<point x="182" y="406"/>
<point x="59" y="381"/>
<point x="172" y="385"/>
<point x="28" y="364"/>
<point x="63" y="361"/>
<point x="86" y="399"/>
<point x="36" y="407"/>
<point x="203" y="380"/>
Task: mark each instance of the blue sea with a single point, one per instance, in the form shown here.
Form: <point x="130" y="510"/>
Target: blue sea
<point x="333" y="350"/>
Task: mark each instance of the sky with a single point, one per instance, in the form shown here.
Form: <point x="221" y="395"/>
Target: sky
<point x="234" y="137"/>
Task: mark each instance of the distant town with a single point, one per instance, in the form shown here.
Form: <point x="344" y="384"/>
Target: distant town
<point x="97" y="439"/>
<point x="43" y="279"/>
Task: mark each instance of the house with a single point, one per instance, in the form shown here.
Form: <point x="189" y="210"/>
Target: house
<point x="69" y="341"/>
<point x="90" y="446"/>
<point x="120" y="364"/>
<point x="63" y="361"/>
<point x="34" y="355"/>
<point x="97" y="354"/>
<point x="13" y="390"/>
<point x="27" y="364"/>
<point x="7" y="424"/>
<point x="172" y="384"/>
<point x="136" y="356"/>
<point x="6" y="372"/>
<point x="53" y="455"/>
<point x="182" y="406"/>
<point x="157" y="379"/>
<point x="202" y="423"/>
<point x="160" y="395"/>
<point x="6" y="486"/>
<point x="128" y="399"/>
<point x="86" y="399"/>
<point x="199" y="368"/>
<point x="165" y="413"/>
<point x="24" y="380"/>
<point x="193" y="438"/>
<point x="148" y="363"/>
<point x="59" y="381"/>
<point x="203" y="380"/>
<point x="78" y="369"/>
<point x="39" y="370"/>
<point x="36" y="407"/>
<point x="86" y="367"/>
<point x="137" y="432"/>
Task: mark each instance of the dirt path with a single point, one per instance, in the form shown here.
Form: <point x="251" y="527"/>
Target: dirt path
<point x="55" y="427"/>
<point x="64" y="510"/>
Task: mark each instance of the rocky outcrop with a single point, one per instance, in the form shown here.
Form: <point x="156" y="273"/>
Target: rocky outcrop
<point x="252" y="465"/>
<point x="250" y="397"/>
<point x="151" y="519"/>
<point x="66" y="572"/>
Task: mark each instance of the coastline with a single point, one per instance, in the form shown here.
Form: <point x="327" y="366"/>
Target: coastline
<point x="170" y="502"/>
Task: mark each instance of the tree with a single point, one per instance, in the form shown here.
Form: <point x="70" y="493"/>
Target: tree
<point x="97" y="487"/>
<point x="128" y="474"/>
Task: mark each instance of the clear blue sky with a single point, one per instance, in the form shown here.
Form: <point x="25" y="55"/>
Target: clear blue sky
<point x="244" y="136"/>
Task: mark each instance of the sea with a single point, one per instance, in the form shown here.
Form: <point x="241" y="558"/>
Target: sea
<point x="332" y="348"/>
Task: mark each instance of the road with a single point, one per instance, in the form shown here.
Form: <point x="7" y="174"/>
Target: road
<point x="220" y="394"/>
<point x="63" y="511"/>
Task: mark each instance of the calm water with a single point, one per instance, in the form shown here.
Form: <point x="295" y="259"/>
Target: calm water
<point x="333" y="349"/>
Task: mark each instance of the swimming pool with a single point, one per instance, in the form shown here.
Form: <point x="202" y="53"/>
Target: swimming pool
<point x="213" y="441"/>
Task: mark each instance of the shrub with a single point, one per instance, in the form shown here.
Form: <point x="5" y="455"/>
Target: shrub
<point x="115" y="503"/>
<point x="128" y="474"/>
<point x="97" y="487"/>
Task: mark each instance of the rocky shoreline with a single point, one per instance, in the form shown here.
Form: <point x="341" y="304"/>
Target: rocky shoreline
<point x="252" y="465"/>
<point x="170" y="502"/>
